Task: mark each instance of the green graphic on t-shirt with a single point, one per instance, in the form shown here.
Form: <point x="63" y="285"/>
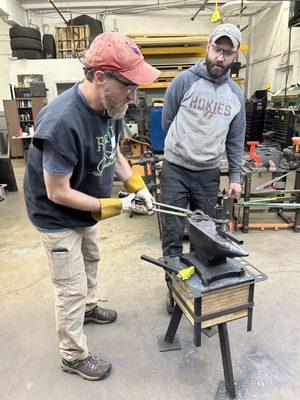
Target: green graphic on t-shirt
<point x="103" y="140"/>
<point x="106" y="145"/>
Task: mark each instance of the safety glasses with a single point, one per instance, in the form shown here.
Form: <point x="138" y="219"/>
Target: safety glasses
<point x="226" y="53"/>
<point x="130" y="86"/>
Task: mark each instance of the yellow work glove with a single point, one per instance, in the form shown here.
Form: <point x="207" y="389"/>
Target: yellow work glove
<point x="114" y="206"/>
<point x="135" y="184"/>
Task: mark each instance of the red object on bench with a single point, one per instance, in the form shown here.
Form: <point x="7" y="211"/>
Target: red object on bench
<point x="253" y="155"/>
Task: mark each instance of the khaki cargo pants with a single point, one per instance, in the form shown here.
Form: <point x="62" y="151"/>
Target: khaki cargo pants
<point x="73" y="260"/>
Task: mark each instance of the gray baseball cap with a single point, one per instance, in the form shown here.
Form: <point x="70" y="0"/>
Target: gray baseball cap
<point x="229" y="30"/>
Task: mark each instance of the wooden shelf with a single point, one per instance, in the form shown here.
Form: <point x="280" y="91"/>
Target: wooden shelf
<point x="71" y="40"/>
<point x="14" y="123"/>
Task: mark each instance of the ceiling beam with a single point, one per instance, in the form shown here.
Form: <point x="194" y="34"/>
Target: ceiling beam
<point x="117" y="5"/>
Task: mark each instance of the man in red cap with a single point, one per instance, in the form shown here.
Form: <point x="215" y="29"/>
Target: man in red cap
<point x="67" y="186"/>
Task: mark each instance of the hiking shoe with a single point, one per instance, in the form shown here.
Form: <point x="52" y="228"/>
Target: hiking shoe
<point x="91" y="368"/>
<point x="100" y="315"/>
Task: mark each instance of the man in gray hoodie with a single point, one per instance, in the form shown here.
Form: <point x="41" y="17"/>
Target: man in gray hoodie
<point x="203" y="115"/>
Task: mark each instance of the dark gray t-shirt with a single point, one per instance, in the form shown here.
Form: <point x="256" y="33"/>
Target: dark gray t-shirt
<point x="54" y="162"/>
<point x="84" y="139"/>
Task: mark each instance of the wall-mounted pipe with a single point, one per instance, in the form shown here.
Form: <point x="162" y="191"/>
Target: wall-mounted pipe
<point x="52" y="3"/>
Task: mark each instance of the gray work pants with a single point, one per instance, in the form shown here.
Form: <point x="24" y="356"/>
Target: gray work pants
<point x="73" y="257"/>
<point x="183" y="187"/>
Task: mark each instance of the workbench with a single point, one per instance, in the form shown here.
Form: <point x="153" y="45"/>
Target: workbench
<point x="288" y="223"/>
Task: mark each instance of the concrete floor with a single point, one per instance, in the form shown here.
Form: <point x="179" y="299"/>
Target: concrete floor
<point x="265" y="361"/>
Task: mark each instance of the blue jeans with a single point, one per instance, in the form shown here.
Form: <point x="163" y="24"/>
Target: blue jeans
<point x="185" y="188"/>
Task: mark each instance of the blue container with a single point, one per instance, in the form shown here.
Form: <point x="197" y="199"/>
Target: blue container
<point x="157" y="135"/>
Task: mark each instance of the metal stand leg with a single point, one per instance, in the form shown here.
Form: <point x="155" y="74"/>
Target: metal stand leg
<point x="157" y="198"/>
<point x="197" y="325"/>
<point x="226" y="360"/>
<point x="159" y="225"/>
<point x="173" y="325"/>
<point x="246" y="210"/>
<point x="168" y="341"/>
<point x="297" y="213"/>
<point x="250" y="310"/>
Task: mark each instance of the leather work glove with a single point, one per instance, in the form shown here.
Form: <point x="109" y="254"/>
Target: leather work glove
<point x="114" y="206"/>
<point x="145" y="195"/>
<point x="139" y="207"/>
<point x="128" y="203"/>
<point x="135" y="184"/>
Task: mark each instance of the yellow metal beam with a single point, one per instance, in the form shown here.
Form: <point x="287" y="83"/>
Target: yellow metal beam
<point x="199" y="50"/>
<point x="168" y="40"/>
<point x="173" y="50"/>
<point x="239" y="81"/>
<point x="156" y="85"/>
<point x="244" y="47"/>
<point x="164" y="85"/>
<point x="194" y="56"/>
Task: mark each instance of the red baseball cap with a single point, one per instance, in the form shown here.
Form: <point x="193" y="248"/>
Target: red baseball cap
<point x="113" y="51"/>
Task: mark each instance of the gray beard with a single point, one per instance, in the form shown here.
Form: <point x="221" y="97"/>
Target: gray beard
<point x="114" y="110"/>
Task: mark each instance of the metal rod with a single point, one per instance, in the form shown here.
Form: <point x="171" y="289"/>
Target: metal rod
<point x="272" y="205"/>
<point x="200" y="9"/>
<point x="275" y="191"/>
<point x="267" y="199"/>
<point x="248" y="56"/>
<point x="170" y="212"/>
<point x="159" y="263"/>
<point x="268" y="183"/>
<point x="172" y="207"/>
<point x="287" y="67"/>
<point x="51" y="2"/>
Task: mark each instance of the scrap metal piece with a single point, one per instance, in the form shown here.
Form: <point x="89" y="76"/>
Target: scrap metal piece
<point x="270" y="183"/>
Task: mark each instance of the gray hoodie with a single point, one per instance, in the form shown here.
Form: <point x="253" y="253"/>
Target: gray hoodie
<point x="202" y="117"/>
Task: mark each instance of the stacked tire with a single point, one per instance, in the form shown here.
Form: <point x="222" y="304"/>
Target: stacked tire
<point x="49" y="47"/>
<point x="26" y="43"/>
